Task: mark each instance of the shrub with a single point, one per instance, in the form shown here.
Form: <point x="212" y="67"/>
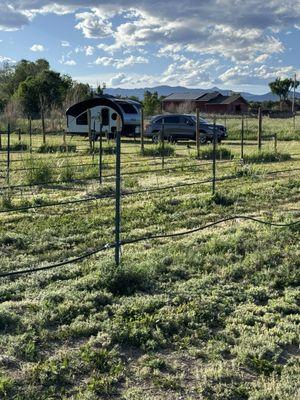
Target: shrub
<point x="222" y="153"/>
<point x="19" y="146"/>
<point x="125" y="280"/>
<point x="6" y="199"/>
<point x="39" y="171"/>
<point x="67" y="172"/>
<point x="57" y="148"/>
<point x="159" y="150"/>
<point x="267" y="157"/>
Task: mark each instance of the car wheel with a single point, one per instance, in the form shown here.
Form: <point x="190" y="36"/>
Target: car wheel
<point x="155" y="139"/>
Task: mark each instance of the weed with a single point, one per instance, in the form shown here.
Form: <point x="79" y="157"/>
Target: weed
<point x="222" y="153"/>
<point x="38" y="171"/>
<point x="266" y="157"/>
<point x="159" y="150"/>
<point x="54" y="148"/>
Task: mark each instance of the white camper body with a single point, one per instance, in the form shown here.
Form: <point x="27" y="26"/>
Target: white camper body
<point x="103" y="112"/>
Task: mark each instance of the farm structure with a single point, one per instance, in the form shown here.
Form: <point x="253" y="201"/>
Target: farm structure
<point x="103" y="110"/>
<point x="206" y="102"/>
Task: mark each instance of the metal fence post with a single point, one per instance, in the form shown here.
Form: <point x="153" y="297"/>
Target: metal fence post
<point x="259" y="128"/>
<point x="142" y="130"/>
<point x="242" y="138"/>
<point x="93" y="141"/>
<point x="118" y="194"/>
<point x="8" y="155"/>
<point x="214" y="159"/>
<point x="100" y="153"/>
<point x="30" y="134"/>
<point x="89" y="127"/>
<point x="0" y="140"/>
<point x="163" y="143"/>
<point x="197" y="133"/>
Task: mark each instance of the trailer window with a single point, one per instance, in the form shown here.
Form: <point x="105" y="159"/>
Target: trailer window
<point x="105" y="116"/>
<point x="82" y="119"/>
<point x="128" y="108"/>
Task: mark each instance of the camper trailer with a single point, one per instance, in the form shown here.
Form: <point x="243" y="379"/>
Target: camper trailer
<point x="104" y="110"/>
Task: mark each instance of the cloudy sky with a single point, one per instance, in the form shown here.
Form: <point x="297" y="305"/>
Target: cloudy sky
<point x="232" y="44"/>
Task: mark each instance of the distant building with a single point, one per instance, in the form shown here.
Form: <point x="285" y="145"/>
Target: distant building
<point x="213" y="102"/>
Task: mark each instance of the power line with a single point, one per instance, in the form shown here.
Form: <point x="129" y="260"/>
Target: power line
<point x="140" y="239"/>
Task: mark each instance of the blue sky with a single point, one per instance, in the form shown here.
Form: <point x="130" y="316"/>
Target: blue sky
<point x="231" y="44"/>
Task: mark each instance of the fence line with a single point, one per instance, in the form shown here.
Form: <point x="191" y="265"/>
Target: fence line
<point x="145" y="238"/>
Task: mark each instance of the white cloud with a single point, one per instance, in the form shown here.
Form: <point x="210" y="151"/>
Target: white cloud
<point x="37" y="47"/>
<point x="4" y="59"/>
<point x="120" y="62"/>
<point x="65" y="43"/>
<point x="70" y="62"/>
<point x="93" y="26"/>
<point x="248" y="75"/>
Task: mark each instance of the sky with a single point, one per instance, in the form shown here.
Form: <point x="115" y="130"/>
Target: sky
<point x="232" y="44"/>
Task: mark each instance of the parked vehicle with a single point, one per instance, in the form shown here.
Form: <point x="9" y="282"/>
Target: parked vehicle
<point x="182" y="127"/>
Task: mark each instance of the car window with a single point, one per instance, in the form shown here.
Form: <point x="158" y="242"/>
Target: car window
<point x="158" y="121"/>
<point x="187" y="120"/>
<point x="171" y="120"/>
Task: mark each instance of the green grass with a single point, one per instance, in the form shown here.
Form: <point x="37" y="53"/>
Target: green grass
<point x="158" y="150"/>
<point x="210" y="315"/>
<point x="55" y="148"/>
<point x="267" y="157"/>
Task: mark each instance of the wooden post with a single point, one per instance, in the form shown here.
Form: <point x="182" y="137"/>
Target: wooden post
<point x="8" y="155"/>
<point x="19" y="134"/>
<point x="259" y="129"/>
<point x="118" y="194"/>
<point x="242" y="138"/>
<point x="142" y="130"/>
<point x="197" y="133"/>
<point x="89" y="127"/>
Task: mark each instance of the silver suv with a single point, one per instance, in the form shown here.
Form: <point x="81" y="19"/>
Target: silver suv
<point x="182" y="127"/>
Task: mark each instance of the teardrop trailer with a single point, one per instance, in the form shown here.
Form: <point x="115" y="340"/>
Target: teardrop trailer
<point x="104" y="110"/>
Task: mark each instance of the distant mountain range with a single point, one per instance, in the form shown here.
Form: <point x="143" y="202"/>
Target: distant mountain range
<point x="166" y="90"/>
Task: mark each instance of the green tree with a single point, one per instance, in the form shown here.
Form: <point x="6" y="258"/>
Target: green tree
<point x="282" y="87"/>
<point x="151" y="103"/>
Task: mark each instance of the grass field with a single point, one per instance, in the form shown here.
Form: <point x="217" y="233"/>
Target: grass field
<point x="210" y="315"/>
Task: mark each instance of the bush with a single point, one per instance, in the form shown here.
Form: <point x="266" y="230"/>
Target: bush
<point x="57" y="148"/>
<point x="267" y="157"/>
<point x="159" y="150"/>
<point x="67" y="172"/>
<point x="125" y="280"/>
<point x="39" y="171"/>
<point x="222" y="153"/>
<point x="20" y="146"/>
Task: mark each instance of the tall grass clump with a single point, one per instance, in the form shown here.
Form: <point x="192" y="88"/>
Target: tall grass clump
<point x="56" y="148"/>
<point x="19" y="146"/>
<point x="222" y="153"/>
<point x="267" y="157"/>
<point x="159" y="150"/>
<point x="67" y="172"/>
<point x="38" y="171"/>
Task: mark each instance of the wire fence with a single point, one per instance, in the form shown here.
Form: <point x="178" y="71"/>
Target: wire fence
<point x="210" y="167"/>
